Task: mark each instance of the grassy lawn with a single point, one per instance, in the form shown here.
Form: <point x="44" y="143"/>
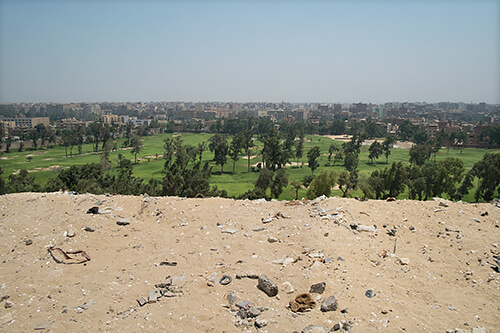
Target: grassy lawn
<point x="46" y="162"/>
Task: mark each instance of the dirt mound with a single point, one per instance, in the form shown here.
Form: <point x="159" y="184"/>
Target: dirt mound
<point x="192" y="265"/>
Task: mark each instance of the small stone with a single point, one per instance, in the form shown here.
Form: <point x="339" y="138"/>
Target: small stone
<point x="123" y="222"/>
<point x="479" y="329"/>
<point x="345" y="311"/>
<point x="89" y="229"/>
<point x="230" y="231"/>
<point x="232" y="298"/>
<point x="340" y="259"/>
<point x="153" y="297"/>
<point x="93" y="210"/>
<point x="142" y="301"/>
<point x="404" y="261"/>
<point x="267" y="286"/>
<point x="316" y="329"/>
<point x="8" y="304"/>
<point x="335" y="328"/>
<point x="412" y="228"/>
<point x="28" y="242"/>
<point x="273" y="240"/>
<point x="259" y="323"/>
<point x="318" y="288"/>
<point x="253" y="312"/>
<point x="245" y="305"/>
<point x="370" y="293"/>
<point x="70" y="233"/>
<point x="329" y="304"/>
<point x="287" y="287"/>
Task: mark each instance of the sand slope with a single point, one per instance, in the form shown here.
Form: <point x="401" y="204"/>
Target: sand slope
<point x="446" y="283"/>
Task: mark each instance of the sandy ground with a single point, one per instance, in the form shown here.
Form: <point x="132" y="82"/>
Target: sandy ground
<point x="439" y="278"/>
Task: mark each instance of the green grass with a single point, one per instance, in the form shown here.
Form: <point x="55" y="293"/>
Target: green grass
<point x="47" y="162"/>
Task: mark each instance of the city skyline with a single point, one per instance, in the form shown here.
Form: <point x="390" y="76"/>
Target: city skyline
<point x="298" y="52"/>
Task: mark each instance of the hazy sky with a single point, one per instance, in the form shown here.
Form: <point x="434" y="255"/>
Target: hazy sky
<point x="244" y="51"/>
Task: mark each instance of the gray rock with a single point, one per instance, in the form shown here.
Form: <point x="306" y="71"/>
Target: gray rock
<point x="89" y="229"/>
<point x="123" y="222"/>
<point x="318" y="288"/>
<point x="232" y="298"/>
<point x="230" y="231"/>
<point x="8" y="304"/>
<point x="253" y="312"/>
<point x="329" y="304"/>
<point x="142" y="301"/>
<point x="335" y="328"/>
<point x="370" y="293"/>
<point x="479" y="329"/>
<point x="316" y="329"/>
<point x="272" y="239"/>
<point x="245" y="305"/>
<point x="267" y="286"/>
<point x="259" y="323"/>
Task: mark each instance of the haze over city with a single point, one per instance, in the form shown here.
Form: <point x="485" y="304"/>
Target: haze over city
<point x="244" y="51"/>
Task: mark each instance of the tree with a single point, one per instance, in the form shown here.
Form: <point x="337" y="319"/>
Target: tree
<point x="299" y="147"/>
<point x="487" y="171"/>
<point x="8" y="143"/>
<point x="33" y="135"/>
<point x="272" y="150"/>
<point x="419" y="153"/>
<point x="332" y="149"/>
<point x="264" y="179"/>
<point x="375" y="150"/>
<point x="247" y="143"/>
<point x="235" y="148"/>
<point x="351" y="161"/>
<point x="279" y="182"/>
<point x="105" y="162"/>
<point x="94" y="131"/>
<point x="395" y="179"/>
<point x="297" y="185"/>
<point x="219" y="146"/>
<point x="321" y="185"/>
<point x="22" y="182"/>
<point x="407" y="130"/>
<point x="169" y="149"/>
<point x="347" y="181"/>
<point x="3" y="188"/>
<point x="387" y="145"/>
<point x="136" y="145"/>
<point x="312" y="156"/>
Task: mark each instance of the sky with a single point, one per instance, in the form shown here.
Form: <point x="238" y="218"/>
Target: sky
<point x="250" y="51"/>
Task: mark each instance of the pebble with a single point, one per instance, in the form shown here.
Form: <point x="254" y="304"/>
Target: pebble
<point x="316" y="329"/>
<point x="123" y="222"/>
<point x="89" y="229"/>
<point x="8" y="304"/>
<point x="232" y="298"/>
<point x="329" y="304"/>
<point x="318" y="288"/>
<point x="272" y="240"/>
<point x="370" y="293"/>
<point x="267" y="286"/>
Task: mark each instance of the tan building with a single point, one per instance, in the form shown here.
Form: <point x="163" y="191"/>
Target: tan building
<point x="28" y="122"/>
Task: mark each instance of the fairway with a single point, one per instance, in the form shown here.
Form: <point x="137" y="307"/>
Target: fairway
<point x="45" y="163"/>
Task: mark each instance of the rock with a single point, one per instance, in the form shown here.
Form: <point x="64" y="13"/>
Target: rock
<point x="287" y="287"/>
<point x="253" y="312"/>
<point x="316" y="329"/>
<point x="123" y="221"/>
<point x="232" y="298"/>
<point x="28" y="242"/>
<point x="318" y="288"/>
<point x="245" y="305"/>
<point x="8" y="304"/>
<point x="476" y="220"/>
<point x="302" y="303"/>
<point x="370" y="293"/>
<point x="391" y="232"/>
<point x="89" y="229"/>
<point x="367" y="228"/>
<point x="259" y="323"/>
<point x="230" y="231"/>
<point x="335" y="328"/>
<point x="329" y="304"/>
<point x="93" y="210"/>
<point x="479" y="329"/>
<point x="142" y="301"/>
<point x="153" y="296"/>
<point x="404" y="261"/>
<point x="70" y="233"/>
<point x="273" y="240"/>
<point x="267" y="286"/>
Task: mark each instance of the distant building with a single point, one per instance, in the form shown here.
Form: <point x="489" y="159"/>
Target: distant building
<point x="28" y="122"/>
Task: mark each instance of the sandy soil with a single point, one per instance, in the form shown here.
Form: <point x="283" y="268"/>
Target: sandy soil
<point x="439" y="278"/>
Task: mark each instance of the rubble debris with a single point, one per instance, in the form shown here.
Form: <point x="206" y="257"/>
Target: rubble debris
<point x="318" y="288"/>
<point x="28" y="242"/>
<point x="93" y="210"/>
<point x="302" y="303"/>
<point x="123" y="221"/>
<point x="142" y="301"/>
<point x="43" y="326"/>
<point x="153" y="296"/>
<point x="168" y="263"/>
<point x="232" y="298"/>
<point x="316" y="329"/>
<point x="370" y="293"/>
<point x="8" y="304"/>
<point x="247" y="276"/>
<point x="329" y="304"/>
<point x="89" y="229"/>
<point x="267" y="286"/>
